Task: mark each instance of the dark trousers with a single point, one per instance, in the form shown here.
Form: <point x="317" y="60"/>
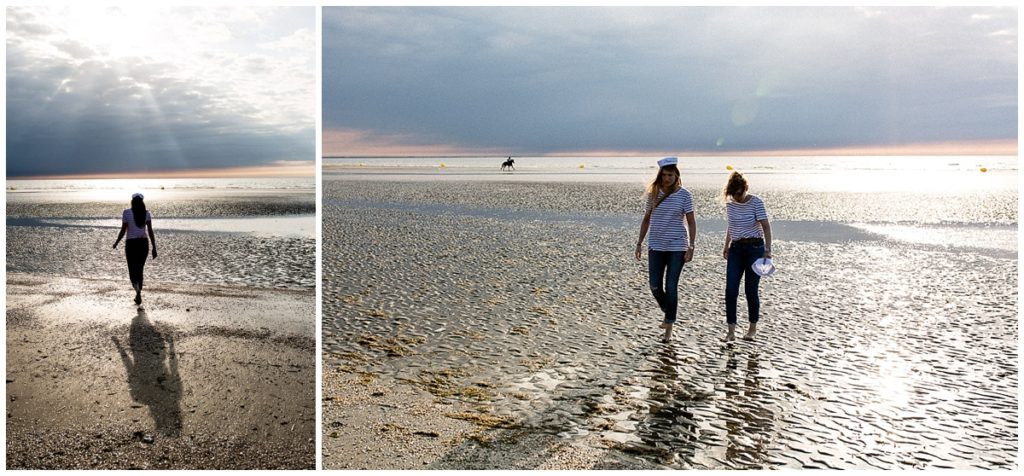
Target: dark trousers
<point x="741" y="258"/>
<point x="136" y="251"/>
<point x="664" y="268"/>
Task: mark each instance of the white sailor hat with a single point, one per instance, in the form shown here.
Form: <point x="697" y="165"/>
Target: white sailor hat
<point x="668" y="161"/>
<point x="137" y="195"/>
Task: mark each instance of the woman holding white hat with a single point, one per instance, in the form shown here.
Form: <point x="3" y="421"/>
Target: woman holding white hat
<point x="673" y="232"/>
<point x="748" y="240"/>
<point x="136" y="222"/>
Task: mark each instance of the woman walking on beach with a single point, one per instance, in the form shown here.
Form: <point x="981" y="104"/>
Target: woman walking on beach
<point x="137" y="223"/>
<point x="668" y="216"/>
<point x="748" y="238"/>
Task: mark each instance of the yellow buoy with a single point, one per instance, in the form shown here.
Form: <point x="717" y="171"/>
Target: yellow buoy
<point x="581" y="166"/>
<point x="983" y="169"/>
<point x="728" y="167"/>
<point x="442" y="165"/>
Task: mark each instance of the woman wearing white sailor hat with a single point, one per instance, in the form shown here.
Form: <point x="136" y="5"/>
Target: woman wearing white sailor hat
<point x="668" y="216"/>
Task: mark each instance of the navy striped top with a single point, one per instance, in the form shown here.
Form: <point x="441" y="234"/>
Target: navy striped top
<point x="668" y="222"/>
<point x="744" y="217"/>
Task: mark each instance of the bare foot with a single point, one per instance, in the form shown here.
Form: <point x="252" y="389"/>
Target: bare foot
<point x="663" y="325"/>
<point x="731" y="336"/>
<point x="668" y="332"/>
<point x="751" y="332"/>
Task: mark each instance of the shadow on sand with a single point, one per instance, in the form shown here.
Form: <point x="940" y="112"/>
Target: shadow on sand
<point x="152" y="370"/>
<point x="672" y="431"/>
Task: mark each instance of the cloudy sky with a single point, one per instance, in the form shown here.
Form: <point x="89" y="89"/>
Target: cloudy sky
<point x="95" y="90"/>
<point x="525" y="81"/>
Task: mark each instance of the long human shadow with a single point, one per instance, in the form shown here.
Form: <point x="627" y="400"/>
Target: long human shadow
<point x="152" y="370"/>
<point x="533" y="447"/>
<point x="670" y="430"/>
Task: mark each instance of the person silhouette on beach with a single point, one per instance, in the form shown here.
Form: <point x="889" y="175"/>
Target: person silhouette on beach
<point x="510" y="164"/>
<point x="136" y="222"/>
<point x="152" y="369"/>
<point x="748" y="238"/>
<point x="668" y="216"/>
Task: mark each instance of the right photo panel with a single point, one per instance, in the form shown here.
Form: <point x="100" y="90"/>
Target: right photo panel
<point x="670" y="238"/>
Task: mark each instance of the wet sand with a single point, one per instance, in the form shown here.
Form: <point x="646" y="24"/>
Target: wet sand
<point x="518" y="329"/>
<point x="200" y="376"/>
<point x="211" y="247"/>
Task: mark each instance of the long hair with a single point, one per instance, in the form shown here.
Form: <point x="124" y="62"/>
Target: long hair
<point x="737" y="184"/>
<point x="655" y="186"/>
<point x="139" y="212"/>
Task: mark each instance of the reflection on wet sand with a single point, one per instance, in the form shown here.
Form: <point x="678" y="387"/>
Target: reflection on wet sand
<point x="669" y="427"/>
<point x="152" y="370"/>
<point x="547" y="325"/>
<point x="749" y="418"/>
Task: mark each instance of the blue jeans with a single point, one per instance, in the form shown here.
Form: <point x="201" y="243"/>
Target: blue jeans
<point x="664" y="268"/>
<point x="741" y="258"/>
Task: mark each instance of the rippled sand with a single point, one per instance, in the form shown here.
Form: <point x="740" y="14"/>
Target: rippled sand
<point x="941" y="206"/>
<point x="539" y="326"/>
<point x="40" y="246"/>
<point x="50" y="205"/>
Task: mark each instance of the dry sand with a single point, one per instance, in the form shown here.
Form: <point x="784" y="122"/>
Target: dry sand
<point x="198" y="377"/>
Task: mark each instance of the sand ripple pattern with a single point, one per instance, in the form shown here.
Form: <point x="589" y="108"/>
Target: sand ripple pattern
<point x="870" y="355"/>
<point x="938" y="207"/>
<point x="184" y="257"/>
<point x="229" y="206"/>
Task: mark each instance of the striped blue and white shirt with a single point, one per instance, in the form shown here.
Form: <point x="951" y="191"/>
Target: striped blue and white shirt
<point x="744" y="217"/>
<point x="668" y="222"/>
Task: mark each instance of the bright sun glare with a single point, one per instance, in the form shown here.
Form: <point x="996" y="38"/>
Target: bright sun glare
<point x="113" y="31"/>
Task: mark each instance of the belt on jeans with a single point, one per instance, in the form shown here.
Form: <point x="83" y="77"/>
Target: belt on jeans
<point x="749" y="241"/>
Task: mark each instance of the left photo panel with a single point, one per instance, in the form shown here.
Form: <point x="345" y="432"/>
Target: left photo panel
<point x="161" y="238"/>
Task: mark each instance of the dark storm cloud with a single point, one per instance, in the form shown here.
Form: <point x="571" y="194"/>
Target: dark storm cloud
<point x="538" y="80"/>
<point x="73" y="110"/>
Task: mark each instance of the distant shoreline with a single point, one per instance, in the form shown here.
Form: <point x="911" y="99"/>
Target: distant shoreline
<point x="867" y="152"/>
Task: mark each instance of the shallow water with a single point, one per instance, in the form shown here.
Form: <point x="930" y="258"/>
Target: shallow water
<point x="937" y="208"/>
<point x="262" y="238"/>
<point x="864" y="360"/>
<point x="292" y="226"/>
<point x="823" y="174"/>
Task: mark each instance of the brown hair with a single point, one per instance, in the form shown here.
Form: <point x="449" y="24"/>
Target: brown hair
<point x="737" y="184"/>
<point x="655" y="186"/>
<point x="139" y="211"/>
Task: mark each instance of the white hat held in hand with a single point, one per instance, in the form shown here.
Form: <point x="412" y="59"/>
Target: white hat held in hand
<point x="764" y="267"/>
<point x="668" y="161"/>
